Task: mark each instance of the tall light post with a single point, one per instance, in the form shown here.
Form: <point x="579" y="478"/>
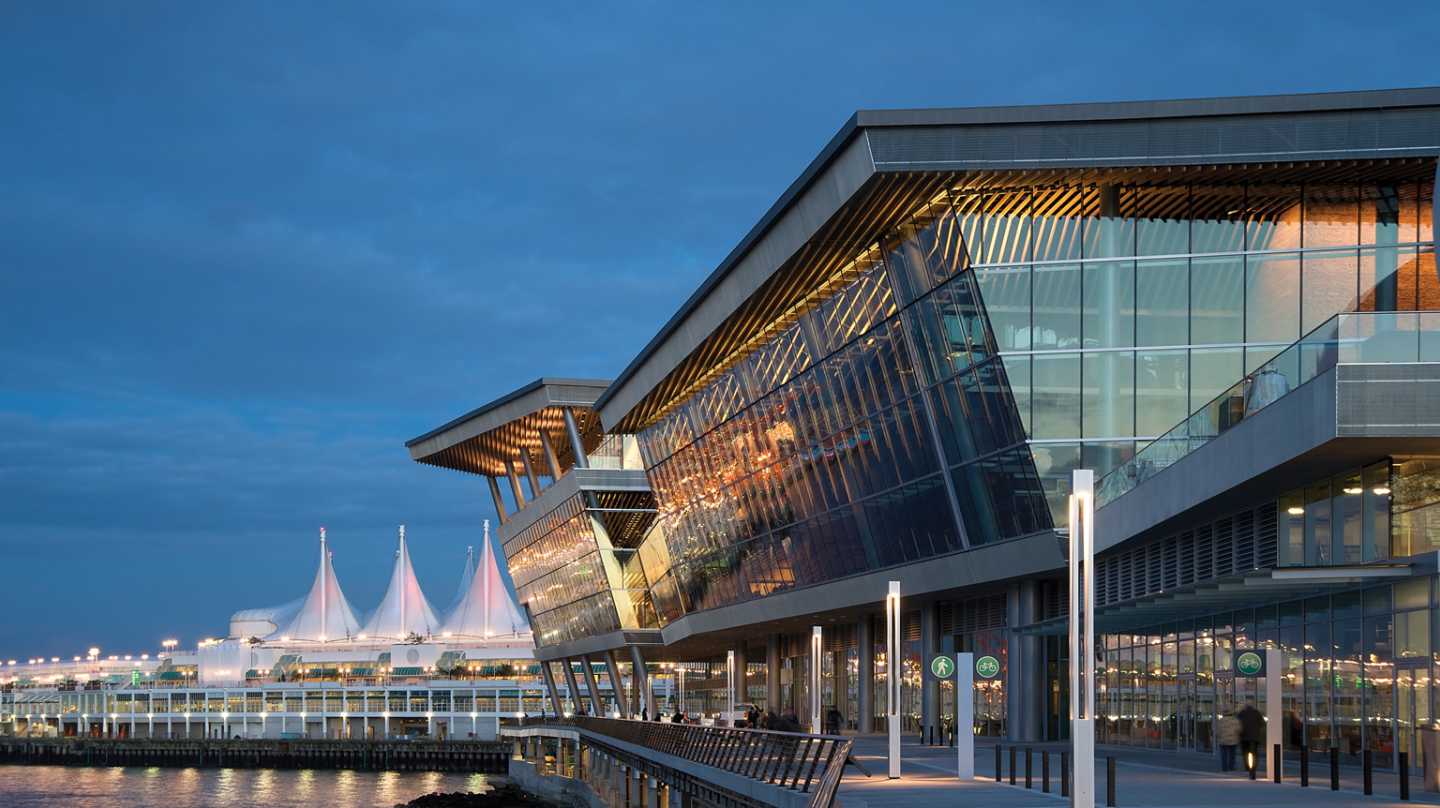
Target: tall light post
<point x="730" y="686"/>
<point x="1082" y="635"/>
<point x="892" y="676"/>
<point x="816" y="638"/>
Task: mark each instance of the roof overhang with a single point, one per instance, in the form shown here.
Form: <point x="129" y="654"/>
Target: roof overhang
<point x="883" y="163"/>
<point x="1236" y="592"/>
<point x="488" y="439"/>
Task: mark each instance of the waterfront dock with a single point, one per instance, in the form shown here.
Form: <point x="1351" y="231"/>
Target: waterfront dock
<point x="443" y="756"/>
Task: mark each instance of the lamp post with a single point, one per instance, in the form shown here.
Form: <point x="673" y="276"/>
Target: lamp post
<point x="729" y="685"/>
<point x="1082" y="635"/>
<point x="892" y="676"/>
<point x="815" y="650"/>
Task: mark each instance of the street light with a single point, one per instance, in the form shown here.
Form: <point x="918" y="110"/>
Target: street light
<point x="892" y="676"/>
<point x="1082" y="634"/>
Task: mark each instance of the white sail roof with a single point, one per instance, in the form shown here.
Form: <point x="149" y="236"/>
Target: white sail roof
<point x="325" y="615"/>
<point x="465" y="578"/>
<point x="404" y="610"/>
<point x="487" y="609"/>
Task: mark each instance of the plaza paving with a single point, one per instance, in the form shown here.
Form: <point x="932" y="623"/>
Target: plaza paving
<point x="1144" y="778"/>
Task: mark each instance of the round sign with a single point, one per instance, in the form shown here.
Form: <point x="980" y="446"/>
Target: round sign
<point x="943" y="667"/>
<point x="987" y="667"/>
<point x="1249" y="663"/>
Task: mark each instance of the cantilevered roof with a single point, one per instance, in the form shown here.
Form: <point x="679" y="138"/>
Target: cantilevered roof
<point x="487" y="439"/>
<point x="882" y="164"/>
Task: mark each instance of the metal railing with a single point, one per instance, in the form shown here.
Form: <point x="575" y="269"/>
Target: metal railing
<point x="809" y="764"/>
<point x="1379" y="337"/>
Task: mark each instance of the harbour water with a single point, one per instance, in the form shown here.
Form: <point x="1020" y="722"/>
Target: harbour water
<point x="135" y="787"/>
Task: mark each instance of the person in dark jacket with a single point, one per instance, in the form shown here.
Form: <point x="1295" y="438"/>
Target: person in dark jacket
<point x="1252" y="734"/>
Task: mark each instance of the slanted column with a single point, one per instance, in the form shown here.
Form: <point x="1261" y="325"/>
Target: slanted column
<point x="550" y="685"/>
<point x="499" y="501"/>
<point x="865" y="640"/>
<point x="577" y="446"/>
<point x="617" y="685"/>
<point x="571" y="684"/>
<point x="772" y="673"/>
<point x="515" y="484"/>
<point x="597" y="708"/>
<point x="641" y="678"/>
<point x="551" y="459"/>
<point x="530" y="475"/>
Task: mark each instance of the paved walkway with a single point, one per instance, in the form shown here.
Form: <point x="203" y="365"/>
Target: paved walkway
<point x="1144" y="779"/>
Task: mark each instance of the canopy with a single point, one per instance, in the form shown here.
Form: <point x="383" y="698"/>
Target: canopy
<point x="487" y="610"/>
<point x="325" y="615"/>
<point x="404" y="611"/>
<point x="466" y="577"/>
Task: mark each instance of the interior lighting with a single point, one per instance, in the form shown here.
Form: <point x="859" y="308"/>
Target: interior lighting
<point x="1295" y="510"/>
<point x="1382" y="490"/>
<point x="1352" y="490"/>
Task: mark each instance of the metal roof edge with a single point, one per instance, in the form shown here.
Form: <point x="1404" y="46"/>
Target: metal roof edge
<point x="538" y="384"/>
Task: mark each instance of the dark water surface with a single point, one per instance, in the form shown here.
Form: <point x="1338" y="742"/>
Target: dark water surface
<point x="139" y="787"/>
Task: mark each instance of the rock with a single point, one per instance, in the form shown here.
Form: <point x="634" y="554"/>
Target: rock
<point x="503" y="796"/>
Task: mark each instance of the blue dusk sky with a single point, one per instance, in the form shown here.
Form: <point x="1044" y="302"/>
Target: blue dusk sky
<point x="248" y="249"/>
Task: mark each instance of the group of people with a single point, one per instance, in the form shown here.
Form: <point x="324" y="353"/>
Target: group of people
<point x="1242" y="730"/>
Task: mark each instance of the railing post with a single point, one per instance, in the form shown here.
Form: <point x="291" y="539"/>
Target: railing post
<point x="1366" y="762"/>
<point x="1403" y="762"/>
<point x="1027" y="767"/>
<point x="1045" y="771"/>
<point x="1334" y="768"/>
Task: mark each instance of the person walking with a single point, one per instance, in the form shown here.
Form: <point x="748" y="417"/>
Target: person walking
<point x="1252" y="735"/>
<point x="1228" y="734"/>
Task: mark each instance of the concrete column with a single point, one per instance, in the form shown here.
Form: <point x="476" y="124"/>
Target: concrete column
<point x="499" y="500"/>
<point x="515" y="485"/>
<point x="1024" y="680"/>
<point x="772" y="673"/>
<point x="742" y="689"/>
<point x="641" y="678"/>
<point x="550" y="685"/>
<point x="572" y="685"/>
<point x="930" y="688"/>
<point x="577" y="446"/>
<point x="597" y="708"/>
<point x="865" y="641"/>
<point x="617" y="685"/>
<point x="655" y="797"/>
<point x="551" y="459"/>
<point x="530" y="475"/>
<point x="842" y="685"/>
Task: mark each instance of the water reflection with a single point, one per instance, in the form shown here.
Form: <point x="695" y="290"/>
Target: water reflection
<point x="35" y="786"/>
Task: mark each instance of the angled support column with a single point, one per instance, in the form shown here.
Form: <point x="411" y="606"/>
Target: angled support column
<point x="570" y="683"/>
<point x="577" y="446"/>
<point x="550" y="685"/>
<point x="530" y="475"/>
<point x="617" y="685"/>
<point x="930" y="690"/>
<point x="642" y="682"/>
<point x="515" y="485"/>
<point x="551" y="459"/>
<point x="499" y="501"/>
<point x="597" y="706"/>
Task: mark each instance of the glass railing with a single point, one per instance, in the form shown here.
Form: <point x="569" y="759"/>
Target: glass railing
<point x="1351" y="338"/>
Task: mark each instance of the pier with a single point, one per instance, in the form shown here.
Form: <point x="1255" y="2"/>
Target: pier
<point x="447" y="756"/>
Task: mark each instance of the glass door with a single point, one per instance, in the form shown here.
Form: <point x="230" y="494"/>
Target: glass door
<point x="1184" y="715"/>
<point x="1412" y="708"/>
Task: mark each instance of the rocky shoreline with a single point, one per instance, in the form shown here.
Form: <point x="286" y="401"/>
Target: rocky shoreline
<point x="501" y="796"/>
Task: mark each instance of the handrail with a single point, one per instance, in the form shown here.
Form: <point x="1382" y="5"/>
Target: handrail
<point x="809" y="764"/>
<point x="1376" y="337"/>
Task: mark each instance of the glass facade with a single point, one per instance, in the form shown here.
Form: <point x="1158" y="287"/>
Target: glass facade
<point x="936" y="393"/>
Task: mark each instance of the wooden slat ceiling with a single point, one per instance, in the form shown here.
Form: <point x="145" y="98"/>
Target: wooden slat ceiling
<point x="831" y="257"/>
<point x="491" y="453"/>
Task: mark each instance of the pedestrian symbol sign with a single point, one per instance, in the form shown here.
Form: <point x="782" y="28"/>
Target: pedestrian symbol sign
<point x="987" y="667"/>
<point x="943" y="667"/>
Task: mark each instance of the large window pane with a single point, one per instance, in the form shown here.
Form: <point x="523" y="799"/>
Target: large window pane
<point x="1318" y="544"/>
<point x="1057" y="306"/>
<point x="1292" y="529"/>
<point x="1109" y="394"/>
<point x="1217" y="300"/>
<point x="1162" y="218"/>
<point x="1162" y="298"/>
<point x="1006" y="236"/>
<point x="1332" y="215"/>
<point x="1109" y="222"/>
<point x="1056" y="224"/>
<point x="1109" y="315"/>
<point x="1212" y="371"/>
<point x="1054" y="462"/>
<point x="1162" y="383"/>
<point x="1055" y="396"/>
<point x="1348" y="525"/>
<point x="1328" y="286"/>
<point x="1005" y="291"/>
<point x="1273" y="213"/>
<point x="1272" y="296"/>
<point x="1389" y="279"/>
<point x="1104" y="456"/>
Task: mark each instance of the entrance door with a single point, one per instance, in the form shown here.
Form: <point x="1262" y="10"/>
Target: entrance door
<point x="1184" y="715"/>
<point x="1412" y="708"/>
